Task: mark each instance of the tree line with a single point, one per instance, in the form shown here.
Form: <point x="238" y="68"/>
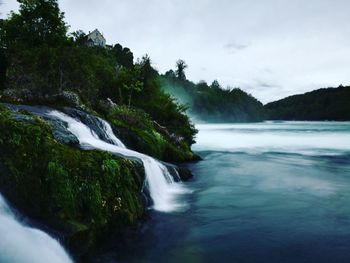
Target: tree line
<point x="211" y="103"/>
<point x="39" y="55"/>
<point x="321" y="104"/>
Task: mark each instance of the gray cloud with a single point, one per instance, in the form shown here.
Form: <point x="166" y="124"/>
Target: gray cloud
<point x="235" y="46"/>
<point x="294" y="45"/>
<point x="264" y="85"/>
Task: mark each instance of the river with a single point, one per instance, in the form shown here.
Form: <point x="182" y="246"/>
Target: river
<point x="266" y="192"/>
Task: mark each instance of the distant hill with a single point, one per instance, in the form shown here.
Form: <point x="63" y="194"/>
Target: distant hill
<point x="212" y="103"/>
<point x="322" y="104"/>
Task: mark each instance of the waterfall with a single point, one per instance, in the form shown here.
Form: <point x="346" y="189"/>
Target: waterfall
<point x="109" y="133"/>
<point x="161" y="185"/>
<point x="22" y="244"/>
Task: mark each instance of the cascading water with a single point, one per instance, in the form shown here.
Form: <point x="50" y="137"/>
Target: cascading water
<point x="109" y="133"/>
<point x="22" y="244"/>
<point x="161" y="185"/>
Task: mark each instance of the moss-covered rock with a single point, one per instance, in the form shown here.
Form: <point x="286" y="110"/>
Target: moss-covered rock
<point x="134" y="127"/>
<point x="137" y="130"/>
<point x="78" y="193"/>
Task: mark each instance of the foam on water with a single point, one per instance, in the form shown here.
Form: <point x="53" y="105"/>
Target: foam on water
<point x="109" y="132"/>
<point x="309" y="138"/>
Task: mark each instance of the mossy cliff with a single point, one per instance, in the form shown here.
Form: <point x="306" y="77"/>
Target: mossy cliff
<point x="78" y="193"/>
<point x="140" y="133"/>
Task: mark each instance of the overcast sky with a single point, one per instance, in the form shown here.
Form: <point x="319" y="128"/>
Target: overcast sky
<point x="269" y="48"/>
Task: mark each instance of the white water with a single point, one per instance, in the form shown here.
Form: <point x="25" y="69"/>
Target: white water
<point x="161" y="185"/>
<point x="22" y="244"/>
<point x="109" y="132"/>
<point x="309" y="138"/>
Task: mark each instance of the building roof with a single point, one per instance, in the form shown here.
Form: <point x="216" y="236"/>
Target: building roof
<point x="95" y="31"/>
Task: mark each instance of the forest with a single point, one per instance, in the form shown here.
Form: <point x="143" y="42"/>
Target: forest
<point x="40" y="60"/>
<point x="211" y="103"/>
<point x="322" y="104"/>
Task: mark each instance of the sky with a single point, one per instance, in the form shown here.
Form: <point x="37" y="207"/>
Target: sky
<point x="269" y="48"/>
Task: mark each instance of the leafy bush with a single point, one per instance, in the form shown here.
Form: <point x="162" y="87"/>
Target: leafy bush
<point x="146" y="136"/>
<point x="131" y="118"/>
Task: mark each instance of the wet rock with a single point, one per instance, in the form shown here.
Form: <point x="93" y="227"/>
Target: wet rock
<point x="179" y="173"/>
<point x="185" y="174"/>
<point x="71" y="97"/>
<point x="61" y="132"/>
<point x="93" y="122"/>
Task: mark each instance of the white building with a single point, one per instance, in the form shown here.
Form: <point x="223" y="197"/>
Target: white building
<point x="96" y="39"/>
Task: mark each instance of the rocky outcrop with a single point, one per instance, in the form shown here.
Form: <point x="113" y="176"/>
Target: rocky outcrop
<point x="31" y="97"/>
<point x="79" y="194"/>
<point x="24" y="113"/>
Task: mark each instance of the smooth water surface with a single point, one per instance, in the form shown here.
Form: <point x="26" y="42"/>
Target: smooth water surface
<point x="267" y="192"/>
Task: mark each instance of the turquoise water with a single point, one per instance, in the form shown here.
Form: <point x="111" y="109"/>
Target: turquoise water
<point x="267" y="192"/>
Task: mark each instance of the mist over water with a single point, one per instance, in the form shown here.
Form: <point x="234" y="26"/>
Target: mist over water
<point x="312" y="138"/>
<point x="264" y="192"/>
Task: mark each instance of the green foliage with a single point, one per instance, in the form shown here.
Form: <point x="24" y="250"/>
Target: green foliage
<point x="32" y="39"/>
<point x="3" y="68"/>
<point x="212" y="103"/>
<point x="123" y="56"/>
<point x="130" y="82"/>
<point x="215" y="85"/>
<point x="180" y="69"/>
<point x="148" y="136"/>
<point x="131" y="118"/>
<point x="322" y="104"/>
<point x="43" y="60"/>
<point x="38" y="22"/>
<point x="79" y="37"/>
<point x="50" y="181"/>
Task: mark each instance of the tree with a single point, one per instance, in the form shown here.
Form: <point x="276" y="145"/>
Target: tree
<point x="180" y="69"/>
<point x="148" y="72"/>
<point x="170" y="74"/>
<point x="202" y="85"/>
<point x="3" y="69"/>
<point x="211" y="103"/>
<point x="123" y="56"/>
<point x="130" y="82"/>
<point x="135" y="85"/>
<point x="215" y="85"/>
<point x="38" y="22"/>
<point x="33" y="40"/>
<point x="3" y="58"/>
<point x="79" y="37"/>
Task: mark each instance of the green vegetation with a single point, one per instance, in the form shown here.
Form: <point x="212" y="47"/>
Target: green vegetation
<point x="43" y="61"/>
<point x="147" y="136"/>
<point x="211" y="103"/>
<point x="80" y="194"/>
<point x="70" y="189"/>
<point x="322" y="104"/>
<point x="85" y="193"/>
